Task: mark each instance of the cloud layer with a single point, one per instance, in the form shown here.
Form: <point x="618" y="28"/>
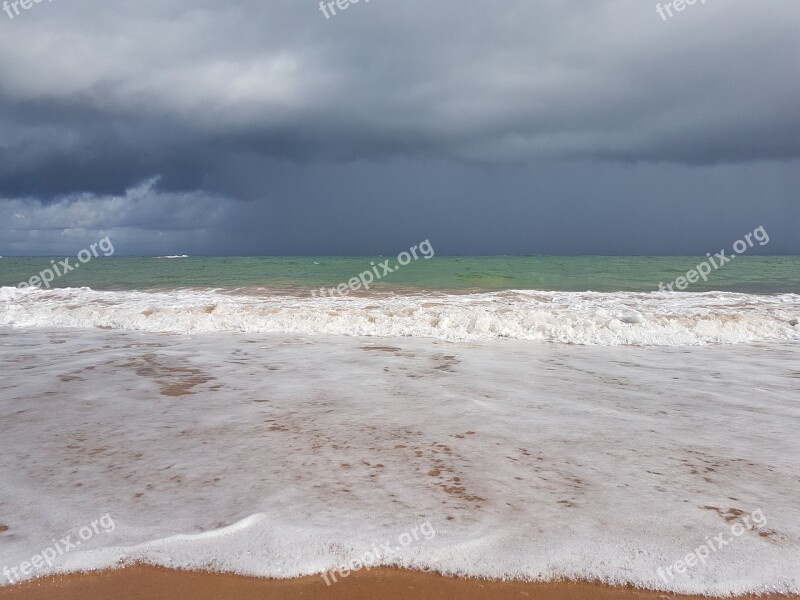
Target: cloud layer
<point x="218" y="99"/>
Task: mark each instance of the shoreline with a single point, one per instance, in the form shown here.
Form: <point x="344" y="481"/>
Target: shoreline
<point x="222" y="453"/>
<point x="153" y="583"/>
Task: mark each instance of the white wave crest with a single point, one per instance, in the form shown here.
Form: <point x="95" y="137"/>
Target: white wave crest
<point x="587" y="318"/>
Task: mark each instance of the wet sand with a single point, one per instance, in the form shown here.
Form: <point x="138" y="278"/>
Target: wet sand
<point x="153" y="583"/>
<point x="221" y="452"/>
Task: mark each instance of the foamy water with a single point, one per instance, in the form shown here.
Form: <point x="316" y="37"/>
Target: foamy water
<point x="588" y="318"/>
<point x="282" y="455"/>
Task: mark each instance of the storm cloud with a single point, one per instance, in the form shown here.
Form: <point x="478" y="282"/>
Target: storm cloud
<point x="543" y="110"/>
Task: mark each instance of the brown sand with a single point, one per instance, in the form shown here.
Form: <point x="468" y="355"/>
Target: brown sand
<point x="152" y="583"/>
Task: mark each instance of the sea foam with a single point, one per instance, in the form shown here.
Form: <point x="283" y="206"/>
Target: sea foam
<point x="586" y="318"/>
<point x="286" y="455"/>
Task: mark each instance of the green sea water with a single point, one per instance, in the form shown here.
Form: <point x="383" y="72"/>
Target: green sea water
<point x="751" y="274"/>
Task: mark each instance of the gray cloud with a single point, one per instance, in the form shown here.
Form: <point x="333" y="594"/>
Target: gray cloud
<point x="232" y="100"/>
<point x="142" y="218"/>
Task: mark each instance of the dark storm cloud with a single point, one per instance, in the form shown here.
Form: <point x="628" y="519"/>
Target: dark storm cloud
<point x="98" y="95"/>
<point x="252" y="127"/>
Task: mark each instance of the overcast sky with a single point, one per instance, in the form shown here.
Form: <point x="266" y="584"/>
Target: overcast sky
<point x="522" y="126"/>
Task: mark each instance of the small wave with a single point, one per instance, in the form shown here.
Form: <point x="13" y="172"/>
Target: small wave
<point x="585" y="318"/>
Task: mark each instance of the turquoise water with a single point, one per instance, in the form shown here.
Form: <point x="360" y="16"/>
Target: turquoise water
<point x="754" y="274"/>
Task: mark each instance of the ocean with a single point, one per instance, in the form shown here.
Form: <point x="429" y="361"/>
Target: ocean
<point x="581" y="300"/>
<point x="547" y="417"/>
<point x="747" y="274"/>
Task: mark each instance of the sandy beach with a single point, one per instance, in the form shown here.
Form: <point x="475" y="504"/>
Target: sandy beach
<point x="153" y="583"/>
